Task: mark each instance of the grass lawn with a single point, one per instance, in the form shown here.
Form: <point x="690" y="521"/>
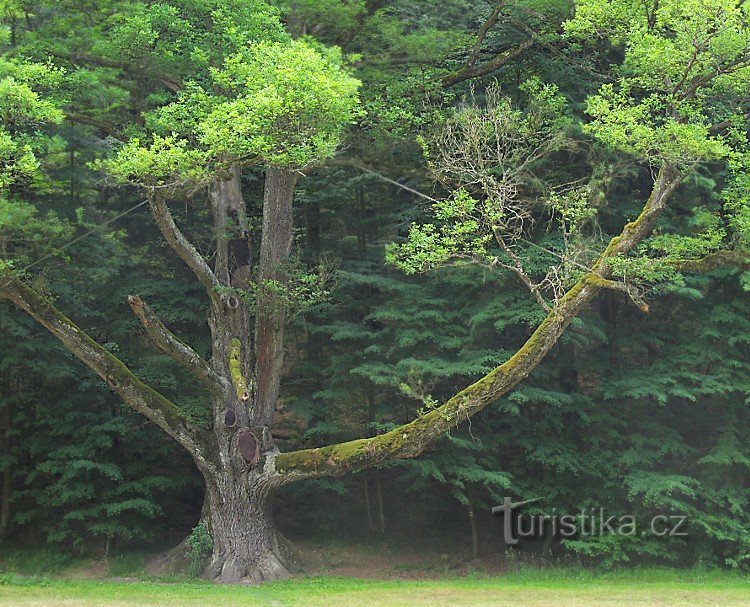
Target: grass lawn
<point x="543" y="588"/>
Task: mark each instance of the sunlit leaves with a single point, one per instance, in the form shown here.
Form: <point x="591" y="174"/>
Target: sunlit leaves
<point x="274" y="103"/>
<point x="685" y="68"/>
<point x="287" y="104"/>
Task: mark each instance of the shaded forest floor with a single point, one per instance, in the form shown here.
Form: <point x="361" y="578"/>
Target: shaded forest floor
<point x="338" y="557"/>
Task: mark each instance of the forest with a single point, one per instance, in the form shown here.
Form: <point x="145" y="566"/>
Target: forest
<point x="281" y="273"/>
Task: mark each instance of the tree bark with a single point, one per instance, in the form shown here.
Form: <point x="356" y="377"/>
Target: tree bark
<point x="270" y="315"/>
<point x="246" y="546"/>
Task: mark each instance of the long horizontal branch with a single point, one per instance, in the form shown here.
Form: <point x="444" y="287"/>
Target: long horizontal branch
<point x="409" y="440"/>
<point x="184" y="248"/>
<point x="144" y="399"/>
<point x="173" y="347"/>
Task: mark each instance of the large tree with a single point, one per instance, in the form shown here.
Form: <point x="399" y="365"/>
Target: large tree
<point x="258" y="101"/>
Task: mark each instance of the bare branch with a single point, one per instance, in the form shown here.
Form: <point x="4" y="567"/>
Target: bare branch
<point x="482" y="33"/>
<point x="105" y="127"/>
<point x="173" y="347"/>
<point x="517" y="267"/>
<point x="483" y="69"/>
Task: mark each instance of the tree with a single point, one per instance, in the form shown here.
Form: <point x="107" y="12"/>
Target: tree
<point x="282" y="105"/>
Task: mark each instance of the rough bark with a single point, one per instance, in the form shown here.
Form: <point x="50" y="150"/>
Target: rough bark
<point x="246" y="546"/>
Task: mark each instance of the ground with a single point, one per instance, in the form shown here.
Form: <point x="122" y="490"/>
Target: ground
<point x="350" y="575"/>
<point x="510" y="590"/>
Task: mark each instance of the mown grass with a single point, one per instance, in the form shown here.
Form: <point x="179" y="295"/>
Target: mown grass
<point x="533" y="588"/>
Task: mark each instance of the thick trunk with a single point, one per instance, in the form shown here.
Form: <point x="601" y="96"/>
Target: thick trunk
<point x="246" y="546"/>
<point x="238" y="493"/>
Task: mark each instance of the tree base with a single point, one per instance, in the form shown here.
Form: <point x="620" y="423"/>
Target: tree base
<point x="266" y="567"/>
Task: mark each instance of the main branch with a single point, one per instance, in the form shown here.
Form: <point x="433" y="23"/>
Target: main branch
<point x="111" y="369"/>
<point x="409" y="440"/>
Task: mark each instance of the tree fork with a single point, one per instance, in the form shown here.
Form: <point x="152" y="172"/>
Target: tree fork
<point x="173" y="347"/>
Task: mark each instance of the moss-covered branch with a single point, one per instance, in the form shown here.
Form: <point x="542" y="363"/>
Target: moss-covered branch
<point x="409" y="440"/>
<point x="111" y="369"/>
<point x="235" y="370"/>
<point x="168" y="343"/>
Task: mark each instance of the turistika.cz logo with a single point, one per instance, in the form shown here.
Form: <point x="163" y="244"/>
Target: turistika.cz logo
<point x="587" y="522"/>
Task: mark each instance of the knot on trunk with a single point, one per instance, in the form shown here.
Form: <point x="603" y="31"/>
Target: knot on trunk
<point x="248" y="445"/>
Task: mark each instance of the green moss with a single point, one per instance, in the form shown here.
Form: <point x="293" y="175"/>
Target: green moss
<point x="235" y="369"/>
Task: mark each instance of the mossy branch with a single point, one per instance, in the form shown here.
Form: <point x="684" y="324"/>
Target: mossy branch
<point x="235" y="370"/>
<point x="409" y="440"/>
<point x="144" y="399"/>
<point x="176" y="349"/>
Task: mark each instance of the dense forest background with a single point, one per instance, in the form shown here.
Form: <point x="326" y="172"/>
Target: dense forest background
<point x="634" y="412"/>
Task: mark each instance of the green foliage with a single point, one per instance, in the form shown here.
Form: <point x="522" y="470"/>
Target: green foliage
<point x="200" y="545"/>
<point x="273" y="103"/>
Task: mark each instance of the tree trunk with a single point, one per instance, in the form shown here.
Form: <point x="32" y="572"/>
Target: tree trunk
<point x="473" y="527"/>
<point x="381" y="510"/>
<point x="246" y="545"/>
<point x="369" y="508"/>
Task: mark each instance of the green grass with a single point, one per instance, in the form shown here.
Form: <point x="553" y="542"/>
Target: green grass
<point x="540" y="588"/>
